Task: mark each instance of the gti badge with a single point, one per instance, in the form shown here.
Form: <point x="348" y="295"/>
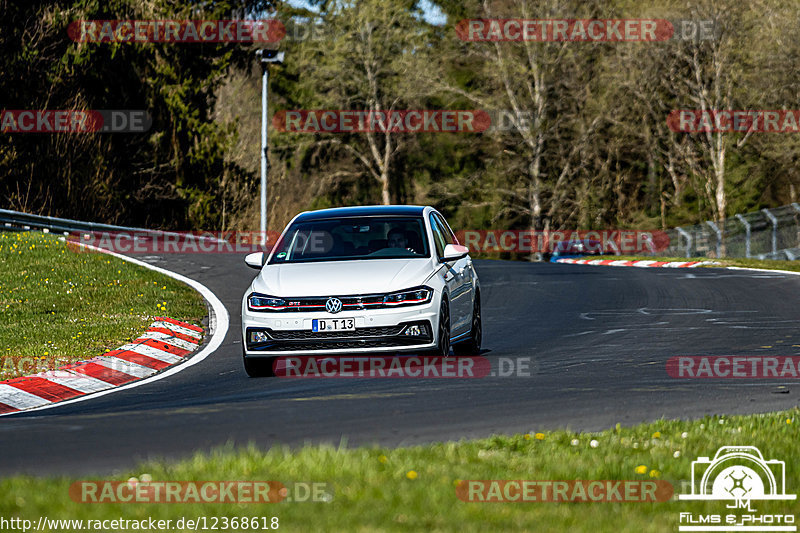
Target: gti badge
<point x="333" y="305"/>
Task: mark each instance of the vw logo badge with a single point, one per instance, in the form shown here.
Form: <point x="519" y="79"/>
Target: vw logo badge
<point x="333" y="305"/>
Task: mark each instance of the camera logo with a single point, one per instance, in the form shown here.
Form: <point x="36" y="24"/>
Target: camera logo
<point x="739" y="475"/>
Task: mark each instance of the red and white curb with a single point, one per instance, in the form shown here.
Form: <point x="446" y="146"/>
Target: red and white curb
<point x="218" y="324"/>
<point x="641" y="264"/>
<point x="167" y="342"/>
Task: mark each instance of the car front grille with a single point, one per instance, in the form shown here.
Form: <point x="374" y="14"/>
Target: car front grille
<point x="295" y="334"/>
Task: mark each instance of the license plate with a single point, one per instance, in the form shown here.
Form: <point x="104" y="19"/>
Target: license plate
<point x="333" y="324"/>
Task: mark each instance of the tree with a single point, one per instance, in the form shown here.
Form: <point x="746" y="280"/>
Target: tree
<point x="542" y="88"/>
<point x="704" y="75"/>
<point x="369" y="61"/>
<point x="167" y="177"/>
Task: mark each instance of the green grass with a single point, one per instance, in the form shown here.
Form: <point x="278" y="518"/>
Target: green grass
<point x="767" y="264"/>
<point x="372" y="489"/>
<point x="59" y="304"/>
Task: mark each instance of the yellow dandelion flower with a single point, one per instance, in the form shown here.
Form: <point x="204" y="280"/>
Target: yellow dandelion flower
<point x="641" y="469"/>
<point x="411" y="474"/>
<point x="539" y="436"/>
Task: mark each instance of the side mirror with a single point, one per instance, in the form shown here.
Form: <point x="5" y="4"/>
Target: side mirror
<point x="255" y="260"/>
<point x="454" y="252"/>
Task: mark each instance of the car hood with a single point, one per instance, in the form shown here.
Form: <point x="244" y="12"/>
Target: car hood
<point x="340" y="278"/>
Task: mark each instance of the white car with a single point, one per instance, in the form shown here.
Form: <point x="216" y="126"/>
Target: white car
<point x="361" y="280"/>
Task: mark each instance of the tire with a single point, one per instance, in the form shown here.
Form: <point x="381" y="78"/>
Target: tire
<point x="443" y="342"/>
<point x="258" y="367"/>
<point x="472" y="346"/>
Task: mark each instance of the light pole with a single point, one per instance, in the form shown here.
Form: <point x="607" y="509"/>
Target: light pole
<point x="265" y="58"/>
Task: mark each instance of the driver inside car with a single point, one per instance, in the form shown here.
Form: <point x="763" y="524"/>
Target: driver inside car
<point x="396" y="238"/>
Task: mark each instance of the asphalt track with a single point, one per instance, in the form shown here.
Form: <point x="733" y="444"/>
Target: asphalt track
<point x="597" y="338"/>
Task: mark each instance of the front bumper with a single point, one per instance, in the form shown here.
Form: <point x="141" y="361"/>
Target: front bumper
<point x="379" y="330"/>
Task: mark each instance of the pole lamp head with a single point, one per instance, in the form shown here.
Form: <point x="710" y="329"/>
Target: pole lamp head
<point x="269" y="56"/>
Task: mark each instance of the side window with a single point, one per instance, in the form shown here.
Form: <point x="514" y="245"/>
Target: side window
<point x="438" y="237"/>
<point x="446" y="231"/>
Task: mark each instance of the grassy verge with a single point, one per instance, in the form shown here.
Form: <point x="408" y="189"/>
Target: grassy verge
<point x="59" y="305"/>
<point x="794" y="266"/>
<point x="413" y="489"/>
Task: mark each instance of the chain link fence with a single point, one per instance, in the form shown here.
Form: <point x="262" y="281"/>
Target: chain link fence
<point x="766" y="234"/>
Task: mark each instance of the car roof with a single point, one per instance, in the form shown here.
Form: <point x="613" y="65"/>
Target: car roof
<point x="362" y="211"/>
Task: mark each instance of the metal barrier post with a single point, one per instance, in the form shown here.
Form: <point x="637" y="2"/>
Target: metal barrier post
<point x="688" y="238"/>
<point x="774" y="221"/>
<point x="746" y="225"/>
<point x="614" y="246"/>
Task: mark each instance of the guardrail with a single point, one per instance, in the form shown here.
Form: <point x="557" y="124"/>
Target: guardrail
<point x="19" y="221"/>
<point x="766" y="234"/>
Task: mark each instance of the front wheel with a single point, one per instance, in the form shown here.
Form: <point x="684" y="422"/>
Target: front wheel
<point x="472" y="345"/>
<point x="443" y="333"/>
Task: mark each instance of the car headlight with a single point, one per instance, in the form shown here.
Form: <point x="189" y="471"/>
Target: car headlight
<point x="262" y="302"/>
<point x="415" y="296"/>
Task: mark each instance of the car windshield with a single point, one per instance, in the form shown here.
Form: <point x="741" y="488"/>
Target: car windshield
<point x="344" y="239"/>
